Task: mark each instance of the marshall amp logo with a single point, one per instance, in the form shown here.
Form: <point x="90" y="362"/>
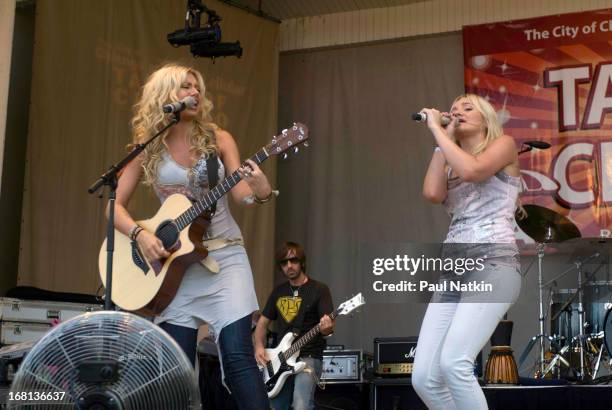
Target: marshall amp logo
<point x="411" y="353"/>
<point x="394" y="356"/>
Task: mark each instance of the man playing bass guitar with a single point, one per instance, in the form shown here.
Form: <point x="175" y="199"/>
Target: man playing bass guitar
<point x="296" y="305"/>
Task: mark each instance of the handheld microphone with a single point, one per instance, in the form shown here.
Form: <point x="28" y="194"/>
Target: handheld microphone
<point x="537" y="144"/>
<point x="529" y="145"/>
<point x="187" y="102"/>
<point x="422" y="117"/>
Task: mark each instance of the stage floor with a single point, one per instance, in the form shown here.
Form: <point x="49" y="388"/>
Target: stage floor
<point x="398" y="394"/>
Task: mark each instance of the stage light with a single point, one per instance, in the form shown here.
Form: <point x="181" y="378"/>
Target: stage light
<point x="203" y="41"/>
<point x="213" y="50"/>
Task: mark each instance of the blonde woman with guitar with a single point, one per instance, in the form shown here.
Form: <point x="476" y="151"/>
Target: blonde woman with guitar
<point x="218" y="291"/>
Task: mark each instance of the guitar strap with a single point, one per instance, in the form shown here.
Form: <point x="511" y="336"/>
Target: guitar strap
<point x="212" y="169"/>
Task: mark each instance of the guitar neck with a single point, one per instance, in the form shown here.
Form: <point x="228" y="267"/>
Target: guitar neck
<point x="216" y="193"/>
<point x="307" y="337"/>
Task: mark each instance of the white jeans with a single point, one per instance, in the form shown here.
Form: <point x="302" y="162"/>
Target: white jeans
<point x="451" y="336"/>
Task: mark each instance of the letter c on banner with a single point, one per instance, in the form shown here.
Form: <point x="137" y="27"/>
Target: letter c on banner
<point x="561" y="172"/>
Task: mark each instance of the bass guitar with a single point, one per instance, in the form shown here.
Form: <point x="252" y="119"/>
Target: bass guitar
<point x="283" y="358"/>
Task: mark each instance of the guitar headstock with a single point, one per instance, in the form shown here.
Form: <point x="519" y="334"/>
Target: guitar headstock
<point x="288" y="138"/>
<point x="351" y="304"/>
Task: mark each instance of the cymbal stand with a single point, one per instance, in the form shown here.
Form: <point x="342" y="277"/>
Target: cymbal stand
<point x="541" y="247"/>
<point x="580" y="337"/>
<point x="580" y="319"/>
<point x="541" y="335"/>
<point x="599" y="354"/>
<point x="559" y="357"/>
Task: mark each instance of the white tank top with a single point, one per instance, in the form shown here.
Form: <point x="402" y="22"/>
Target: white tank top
<point x="173" y="178"/>
<point x="482" y="212"/>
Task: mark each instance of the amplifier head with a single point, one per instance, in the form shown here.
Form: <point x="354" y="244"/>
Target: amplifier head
<point x="341" y="366"/>
<point x="394" y="355"/>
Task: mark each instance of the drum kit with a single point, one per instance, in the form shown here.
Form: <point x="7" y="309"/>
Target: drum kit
<point x="581" y="316"/>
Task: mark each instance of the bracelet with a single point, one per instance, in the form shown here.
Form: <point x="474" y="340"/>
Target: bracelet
<point x="266" y="199"/>
<point x="134" y="232"/>
<point x="138" y="232"/>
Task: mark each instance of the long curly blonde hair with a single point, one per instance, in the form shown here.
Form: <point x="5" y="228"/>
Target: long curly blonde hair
<point x="161" y="88"/>
<point x="494" y="129"/>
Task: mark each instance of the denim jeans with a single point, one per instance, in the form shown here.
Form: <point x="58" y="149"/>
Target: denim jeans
<point x="242" y="376"/>
<point x="298" y="391"/>
<point x="185" y="337"/>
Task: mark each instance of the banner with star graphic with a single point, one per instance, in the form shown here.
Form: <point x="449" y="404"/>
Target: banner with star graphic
<point x="550" y="79"/>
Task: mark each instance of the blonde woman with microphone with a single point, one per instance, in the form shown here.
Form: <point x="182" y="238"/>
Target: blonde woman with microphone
<point x="474" y="173"/>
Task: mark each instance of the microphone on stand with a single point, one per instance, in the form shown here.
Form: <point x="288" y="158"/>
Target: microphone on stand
<point x="422" y="117"/>
<point x="529" y="145"/>
<point x="187" y="102"/>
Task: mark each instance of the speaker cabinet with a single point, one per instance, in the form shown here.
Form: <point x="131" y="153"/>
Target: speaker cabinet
<point x="345" y="396"/>
<point x="394" y="394"/>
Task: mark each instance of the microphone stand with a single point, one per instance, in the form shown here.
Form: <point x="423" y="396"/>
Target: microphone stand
<point x="109" y="178"/>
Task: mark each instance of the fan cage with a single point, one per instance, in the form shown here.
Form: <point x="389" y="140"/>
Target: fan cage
<point x="152" y="370"/>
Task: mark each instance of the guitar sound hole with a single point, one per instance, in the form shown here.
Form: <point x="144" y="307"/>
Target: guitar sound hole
<point x="168" y="233"/>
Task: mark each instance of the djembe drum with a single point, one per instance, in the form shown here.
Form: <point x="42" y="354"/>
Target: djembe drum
<point x="501" y="367"/>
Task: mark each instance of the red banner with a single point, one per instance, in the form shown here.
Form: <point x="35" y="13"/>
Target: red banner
<point x="550" y="79"/>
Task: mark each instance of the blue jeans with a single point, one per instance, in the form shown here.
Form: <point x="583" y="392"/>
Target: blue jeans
<point x="298" y="391"/>
<point x="238" y="358"/>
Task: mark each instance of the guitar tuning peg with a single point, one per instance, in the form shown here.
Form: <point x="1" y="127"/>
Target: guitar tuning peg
<point x="306" y="144"/>
<point x="284" y="156"/>
<point x="274" y="140"/>
<point x="295" y="150"/>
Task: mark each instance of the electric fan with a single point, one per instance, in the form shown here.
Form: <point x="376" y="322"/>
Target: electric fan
<point x="105" y="361"/>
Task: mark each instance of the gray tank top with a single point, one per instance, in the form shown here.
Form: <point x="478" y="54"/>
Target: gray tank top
<point x="173" y="178"/>
<point x="482" y="212"/>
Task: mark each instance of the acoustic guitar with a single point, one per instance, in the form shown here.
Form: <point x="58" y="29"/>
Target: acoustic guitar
<point x="148" y="287"/>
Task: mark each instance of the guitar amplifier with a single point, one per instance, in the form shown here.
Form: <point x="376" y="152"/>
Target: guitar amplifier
<point x="394" y="356"/>
<point x="345" y="366"/>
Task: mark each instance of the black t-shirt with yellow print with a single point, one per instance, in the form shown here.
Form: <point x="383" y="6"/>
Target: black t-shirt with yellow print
<point x="284" y="307"/>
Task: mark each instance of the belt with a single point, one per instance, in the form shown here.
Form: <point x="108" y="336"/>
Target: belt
<point x="217" y="243"/>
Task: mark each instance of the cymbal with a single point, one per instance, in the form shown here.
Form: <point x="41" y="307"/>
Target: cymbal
<point x="590" y="247"/>
<point x="593" y="241"/>
<point x="544" y="225"/>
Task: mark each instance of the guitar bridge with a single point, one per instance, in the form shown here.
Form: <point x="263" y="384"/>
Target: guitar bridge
<point x="138" y="259"/>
